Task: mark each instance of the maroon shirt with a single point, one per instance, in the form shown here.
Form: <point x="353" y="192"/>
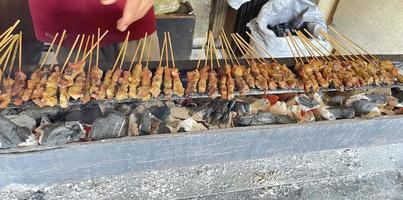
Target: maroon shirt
<point x="85" y="17"/>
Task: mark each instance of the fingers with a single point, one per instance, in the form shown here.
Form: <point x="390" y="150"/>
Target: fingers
<point x="132" y="12"/>
<point x="108" y="2"/>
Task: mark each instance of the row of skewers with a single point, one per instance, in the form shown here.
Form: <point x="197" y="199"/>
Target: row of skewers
<point x="53" y="85"/>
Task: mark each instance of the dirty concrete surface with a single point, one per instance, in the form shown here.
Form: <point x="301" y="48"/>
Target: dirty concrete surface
<point x="365" y="173"/>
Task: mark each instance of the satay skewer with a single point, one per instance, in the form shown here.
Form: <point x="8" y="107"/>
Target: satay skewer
<point x="36" y="77"/>
<point x="19" y="78"/>
<point x="246" y="70"/>
<point x="177" y="83"/>
<point x="155" y="89"/>
<point x="87" y="87"/>
<point x="168" y="84"/>
<point x="64" y="96"/>
<point x="260" y="71"/>
<point x="212" y="74"/>
<point x="123" y="82"/>
<point x="230" y="82"/>
<point x="237" y="70"/>
<point x="116" y="72"/>
<point x="135" y="79"/>
<point x="146" y="75"/>
<point x="204" y="71"/>
<point x="76" y="90"/>
<point x="8" y="82"/>
<point x="96" y="72"/>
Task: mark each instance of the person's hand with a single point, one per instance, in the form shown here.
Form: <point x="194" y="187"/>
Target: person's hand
<point x="133" y="11"/>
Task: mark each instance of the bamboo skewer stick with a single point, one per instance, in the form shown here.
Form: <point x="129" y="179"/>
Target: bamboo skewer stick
<point x="337" y="49"/>
<point x="211" y="54"/>
<point x="240" y="48"/>
<point x="90" y="62"/>
<point x="135" y="54"/>
<point x="296" y="50"/>
<point x="323" y="47"/>
<point x="8" y="40"/>
<point x="142" y="50"/>
<point x="170" y="46"/>
<point x="98" y="38"/>
<point x="229" y="47"/>
<point x="85" y="46"/>
<point x="97" y="43"/>
<point x="298" y="47"/>
<point x="125" y="49"/>
<point x="79" y="48"/>
<point x="292" y="51"/>
<point x="59" y="46"/>
<point x="8" y="53"/>
<point x="162" y="51"/>
<point x="353" y="44"/>
<point x="345" y="49"/>
<point x="261" y="47"/>
<point x="228" y="53"/>
<point x="47" y="53"/>
<point x="149" y="52"/>
<point x="207" y="50"/>
<point x="223" y="53"/>
<point x="317" y="50"/>
<point x="215" y="51"/>
<point x="10" y="29"/>
<point x="307" y="47"/>
<point x="119" y="55"/>
<point x="200" y="57"/>
<point x="20" y="53"/>
<point x="69" y="55"/>
<point x="7" y="33"/>
<point x="5" y="54"/>
<point x="253" y="52"/>
<point x="10" y="69"/>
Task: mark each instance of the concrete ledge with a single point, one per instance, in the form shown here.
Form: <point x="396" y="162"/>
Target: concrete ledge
<point x="141" y="154"/>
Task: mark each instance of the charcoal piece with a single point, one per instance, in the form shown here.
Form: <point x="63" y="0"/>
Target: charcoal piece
<point x="308" y="104"/>
<point x="12" y="135"/>
<point x="377" y="98"/>
<point x="363" y="106"/>
<point x="179" y="113"/>
<point x="243" y="108"/>
<point x="53" y="113"/>
<point x="264" y="119"/>
<point x="109" y="127"/>
<point x="336" y="100"/>
<point x="150" y="124"/>
<point x="86" y="115"/>
<point x="23" y="121"/>
<point x="61" y="133"/>
<point x="162" y="113"/>
<point x="284" y="119"/>
<point x="343" y="113"/>
<point x="190" y="125"/>
<point x="133" y="126"/>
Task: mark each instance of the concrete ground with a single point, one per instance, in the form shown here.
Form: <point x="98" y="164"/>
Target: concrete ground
<point x="373" y="172"/>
